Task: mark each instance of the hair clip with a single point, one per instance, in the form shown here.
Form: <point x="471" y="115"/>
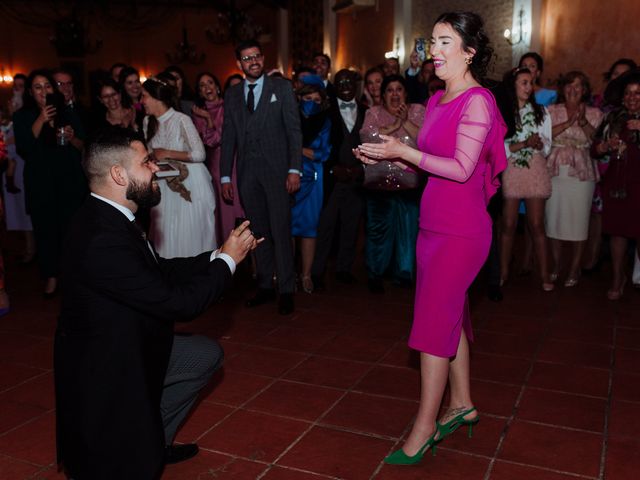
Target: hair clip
<point x="161" y="82"/>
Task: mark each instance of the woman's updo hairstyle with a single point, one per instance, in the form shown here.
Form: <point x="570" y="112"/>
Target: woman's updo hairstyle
<point x="470" y="27"/>
<point x="160" y="89"/>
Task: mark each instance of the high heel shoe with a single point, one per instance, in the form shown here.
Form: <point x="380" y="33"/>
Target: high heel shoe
<point x="572" y="281"/>
<point x="400" y="458"/>
<point x="446" y="429"/>
<point x="307" y="284"/>
<point x="617" y="294"/>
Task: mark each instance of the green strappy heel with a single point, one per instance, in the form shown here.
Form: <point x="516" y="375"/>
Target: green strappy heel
<point x="456" y="422"/>
<point x="400" y="458"/>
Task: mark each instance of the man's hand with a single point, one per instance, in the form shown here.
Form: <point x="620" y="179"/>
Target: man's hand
<point x="161" y="154"/>
<point x="293" y="183"/>
<point x="227" y="192"/>
<point x="240" y="242"/>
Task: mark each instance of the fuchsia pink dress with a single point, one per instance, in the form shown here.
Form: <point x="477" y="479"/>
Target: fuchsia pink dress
<point x="463" y="145"/>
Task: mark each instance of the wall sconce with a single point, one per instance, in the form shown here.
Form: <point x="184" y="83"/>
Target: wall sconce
<point x="508" y="34"/>
<point x="5" y="78"/>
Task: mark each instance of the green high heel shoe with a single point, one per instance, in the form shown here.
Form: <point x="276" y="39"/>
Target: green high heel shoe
<point x="456" y="422"/>
<point x="400" y="458"/>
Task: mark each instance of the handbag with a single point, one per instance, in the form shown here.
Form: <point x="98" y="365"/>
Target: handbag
<point x="388" y="176"/>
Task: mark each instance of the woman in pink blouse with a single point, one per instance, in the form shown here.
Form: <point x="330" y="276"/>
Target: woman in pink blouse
<point x="461" y="146"/>
<point x="573" y="172"/>
<point x="208" y="113"/>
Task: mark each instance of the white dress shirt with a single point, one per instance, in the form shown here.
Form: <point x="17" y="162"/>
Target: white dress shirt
<point x="349" y="115"/>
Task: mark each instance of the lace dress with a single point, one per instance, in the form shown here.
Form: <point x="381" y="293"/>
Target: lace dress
<point x="182" y="228"/>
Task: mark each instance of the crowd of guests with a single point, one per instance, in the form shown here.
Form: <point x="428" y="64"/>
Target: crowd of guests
<point x="571" y="172"/>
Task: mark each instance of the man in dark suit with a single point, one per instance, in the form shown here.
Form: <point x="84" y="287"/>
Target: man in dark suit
<point x="262" y="127"/>
<point x="344" y="205"/>
<point x="322" y="66"/>
<point x="123" y="383"/>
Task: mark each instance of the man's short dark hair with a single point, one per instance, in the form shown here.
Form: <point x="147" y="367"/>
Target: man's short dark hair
<point x="245" y="45"/>
<point x="321" y="54"/>
<point x="106" y="147"/>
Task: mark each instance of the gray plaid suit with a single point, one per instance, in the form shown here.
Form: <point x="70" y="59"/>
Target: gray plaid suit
<point x="267" y="143"/>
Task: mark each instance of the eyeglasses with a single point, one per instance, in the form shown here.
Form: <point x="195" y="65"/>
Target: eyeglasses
<point x="251" y="58"/>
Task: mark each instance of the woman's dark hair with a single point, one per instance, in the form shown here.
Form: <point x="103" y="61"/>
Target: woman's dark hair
<point x="20" y="76"/>
<point x="470" y="27"/>
<point x="124" y="73"/>
<point x="160" y="89"/>
<point x="614" y="93"/>
<point x="109" y="82"/>
<point x="621" y="61"/>
<point x="536" y="57"/>
<point x="307" y="89"/>
<point x="199" y="98"/>
<point x="570" y="78"/>
<point x="28" y="101"/>
<point x="512" y="113"/>
<point x="229" y="79"/>
<point x="390" y="79"/>
<point x="187" y="93"/>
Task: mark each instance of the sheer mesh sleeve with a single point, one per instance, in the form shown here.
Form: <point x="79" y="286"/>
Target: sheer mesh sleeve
<point x="192" y="140"/>
<point x="474" y="125"/>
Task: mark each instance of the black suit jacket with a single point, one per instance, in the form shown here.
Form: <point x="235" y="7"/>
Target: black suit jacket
<point x="114" y="339"/>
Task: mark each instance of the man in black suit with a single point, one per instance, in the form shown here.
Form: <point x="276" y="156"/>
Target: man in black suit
<point x="123" y="383"/>
<point x="262" y="127"/>
<point x="343" y="189"/>
<point x="322" y="66"/>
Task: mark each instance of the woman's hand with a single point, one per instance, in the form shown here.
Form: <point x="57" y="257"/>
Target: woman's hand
<point x="161" y="154"/>
<point x="374" y="152"/>
<point x="581" y="116"/>
<point x="69" y="134"/>
<point x="308" y="152"/>
<point x="534" y="141"/>
<point x="633" y="124"/>
<point x="47" y="114"/>
<point x="402" y="112"/>
<point x="201" y="112"/>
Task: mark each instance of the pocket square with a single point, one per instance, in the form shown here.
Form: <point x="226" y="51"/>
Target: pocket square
<point x="273" y="98"/>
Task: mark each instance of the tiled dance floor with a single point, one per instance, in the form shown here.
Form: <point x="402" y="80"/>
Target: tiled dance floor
<point x="328" y="392"/>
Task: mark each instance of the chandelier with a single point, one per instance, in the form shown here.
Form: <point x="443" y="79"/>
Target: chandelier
<point x="185" y="52"/>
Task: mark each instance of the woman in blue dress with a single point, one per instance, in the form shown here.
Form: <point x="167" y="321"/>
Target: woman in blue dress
<point x="316" y="129"/>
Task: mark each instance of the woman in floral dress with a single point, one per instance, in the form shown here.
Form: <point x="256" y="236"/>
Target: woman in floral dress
<point x="527" y="143"/>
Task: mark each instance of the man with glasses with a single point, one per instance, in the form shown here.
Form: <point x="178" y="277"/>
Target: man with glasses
<point x="262" y="128"/>
<point x="64" y="84"/>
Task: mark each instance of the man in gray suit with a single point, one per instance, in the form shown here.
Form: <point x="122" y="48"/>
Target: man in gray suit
<point x="262" y="127"/>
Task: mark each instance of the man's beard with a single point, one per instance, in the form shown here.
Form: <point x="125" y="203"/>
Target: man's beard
<point x="248" y="73"/>
<point x="145" y="196"/>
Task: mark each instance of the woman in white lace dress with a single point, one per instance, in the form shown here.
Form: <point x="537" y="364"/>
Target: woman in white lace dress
<point x="183" y="224"/>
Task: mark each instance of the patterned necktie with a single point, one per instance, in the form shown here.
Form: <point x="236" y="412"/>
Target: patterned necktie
<point x="251" y="100"/>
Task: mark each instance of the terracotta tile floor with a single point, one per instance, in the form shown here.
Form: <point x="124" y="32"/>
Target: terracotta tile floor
<point x="328" y="392"/>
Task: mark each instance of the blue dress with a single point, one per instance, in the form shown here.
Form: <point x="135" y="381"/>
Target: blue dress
<point x="305" y="213"/>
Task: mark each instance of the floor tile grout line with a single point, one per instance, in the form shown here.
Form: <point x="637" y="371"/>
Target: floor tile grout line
<point x="318" y="420"/>
<point x="31" y="420"/>
<point x="24" y="382"/>
<point x="525" y="381"/>
<point x="607" y="414"/>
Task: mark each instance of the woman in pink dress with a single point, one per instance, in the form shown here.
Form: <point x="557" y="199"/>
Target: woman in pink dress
<point x="207" y="114"/>
<point x="461" y="147"/>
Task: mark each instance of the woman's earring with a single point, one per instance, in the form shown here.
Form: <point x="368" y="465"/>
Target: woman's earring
<point x="468" y="60"/>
